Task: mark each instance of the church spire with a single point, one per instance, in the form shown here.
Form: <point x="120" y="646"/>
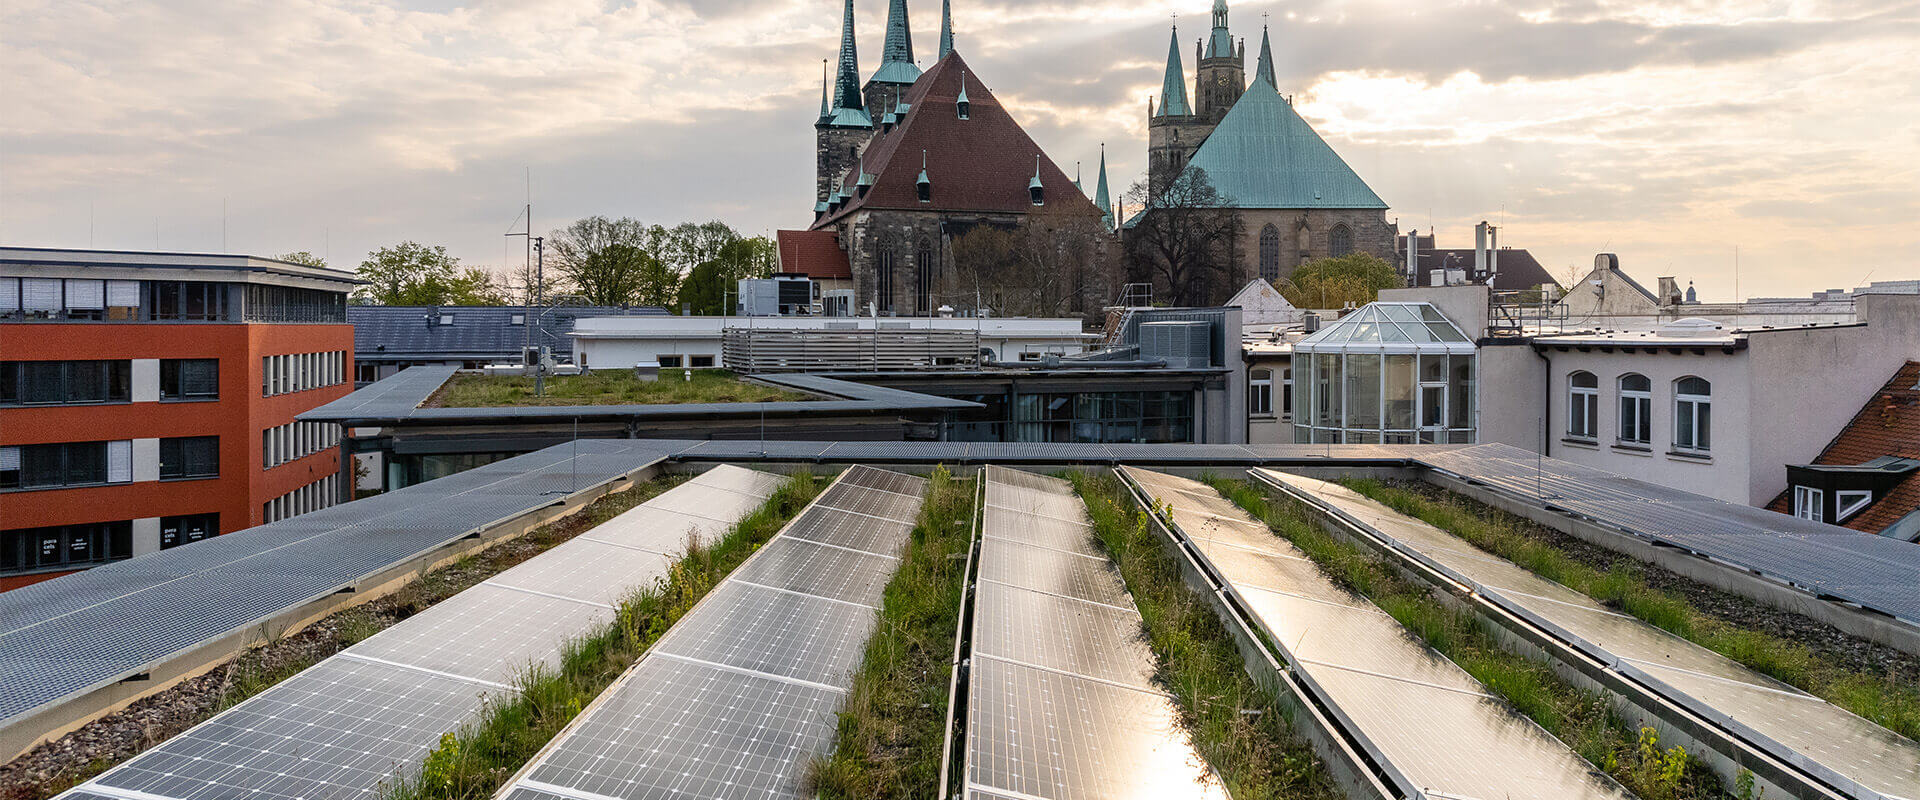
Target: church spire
<point x="899" y="45"/>
<point x="846" y="90"/>
<point x="826" y="81"/>
<point x="1101" y="199"/>
<point x="946" y="28"/>
<point x="1220" y="45"/>
<point x="1173" y="89"/>
<point x="1264" y="70"/>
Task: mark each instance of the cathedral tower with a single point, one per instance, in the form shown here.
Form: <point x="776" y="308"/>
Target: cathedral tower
<point x="1174" y="131"/>
<point x="897" y="72"/>
<point x="1222" y="73"/>
<point x="845" y="125"/>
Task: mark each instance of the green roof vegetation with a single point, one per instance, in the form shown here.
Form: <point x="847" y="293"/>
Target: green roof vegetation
<point x="472" y="763"/>
<point x="890" y="735"/>
<point x="606" y="389"/>
<point x="1586" y="721"/>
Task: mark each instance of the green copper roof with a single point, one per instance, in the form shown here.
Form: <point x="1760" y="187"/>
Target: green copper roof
<point x="1101" y="199"/>
<point x="946" y="27"/>
<point x="896" y="58"/>
<point x="1264" y="70"/>
<point x="846" y="90"/>
<point x="1263" y="155"/>
<point x="1173" y="89"/>
<point x="1220" y="45"/>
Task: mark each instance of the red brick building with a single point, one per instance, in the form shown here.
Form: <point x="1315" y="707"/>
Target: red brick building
<point x="147" y="401"/>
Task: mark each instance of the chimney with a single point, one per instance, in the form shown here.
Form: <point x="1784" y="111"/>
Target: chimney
<point x="1669" y="292"/>
<point x="1480" y="248"/>
<point x="1413" y="255"/>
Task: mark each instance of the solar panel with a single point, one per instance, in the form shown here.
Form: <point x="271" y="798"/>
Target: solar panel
<point x="1061" y="701"/>
<point x="343" y="727"/>
<point x="745" y="689"/>
<point x="1389" y="692"/>
<point x="1804" y="727"/>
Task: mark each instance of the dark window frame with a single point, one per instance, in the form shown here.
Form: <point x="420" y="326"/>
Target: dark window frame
<point x="173" y="372"/>
<point x="55" y="547"/>
<point x="189" y="458"/>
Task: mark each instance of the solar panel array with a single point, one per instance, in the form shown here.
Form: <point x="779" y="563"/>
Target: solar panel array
<point x="1432" y="728"/>
<point x="1052" y="453"/>
<point x="396" y="396"/>
<point x="69" y="636"/>
<point x="1061" y="700"/>
<point x="1873" y="571"/>
<point x="1806" y="729"/>
<point x="354" y="721"/>
<point x="736" y="698"/>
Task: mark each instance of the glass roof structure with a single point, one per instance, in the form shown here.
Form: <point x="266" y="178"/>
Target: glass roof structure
<point x="1390" y="328"/>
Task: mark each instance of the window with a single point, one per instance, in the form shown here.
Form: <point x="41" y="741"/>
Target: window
<point x="176" y="531"/>
<point x="519" y="319"/>
<point x="366" y="372"/>
<point x="190" y="379"/>
<point x="883" y="276"/>
<point x="1809" y="503"/>
<point x="1286" y="393"/>
<point x="1260" y="393"/>
<point x="1692" y="415"/>
<point x="53" y="466"/>
<point x="1636" y="410"/>
<point x="190" y="457"/>
<point x="1340" y="242"/>
<point x="24" y="549"/>
<point x="1850" y="503"/>
<point x="923" y="264"/>
<point x="1583" y="405"/>
<point x="700" y="362"/>
<point x="446" y="319"/>
<point x="670" y="362"/>
<point x="64" y="382"/>
<point x="187" y="300"/>
<point x="1270" y="253"/>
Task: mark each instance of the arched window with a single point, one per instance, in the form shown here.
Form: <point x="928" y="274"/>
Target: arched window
<point x="1270" y="253"/>
<point x="1260" y="393"/>
<point x="923" y="264"/>
<point x="883" y="275"/>
<point x="1340" y="242"/>
<point x="1583" y="405"/>
<point x="1692" y="415"/>
<point x="1636" y="410"/>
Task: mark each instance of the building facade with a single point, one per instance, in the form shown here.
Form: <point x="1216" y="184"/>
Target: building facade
<point x="388" y="339"/>
<point x="147" y="401"/>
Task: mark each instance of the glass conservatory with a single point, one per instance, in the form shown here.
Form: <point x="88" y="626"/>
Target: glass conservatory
<point x="1390" y="373"/>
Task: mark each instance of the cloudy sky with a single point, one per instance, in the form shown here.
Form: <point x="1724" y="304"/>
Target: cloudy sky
<point x="1668" y="132"/>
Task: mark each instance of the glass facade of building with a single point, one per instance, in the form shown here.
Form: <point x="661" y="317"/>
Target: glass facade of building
<point x="1390" y="373"/>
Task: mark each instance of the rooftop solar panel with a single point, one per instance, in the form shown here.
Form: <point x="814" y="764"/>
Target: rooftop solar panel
<point x="745" y="689"/>
<point x="358" y="719"/>
<point x="1061" y="700"/>
<point x="1390" y="692"/>
<point x="1805" y="727"/>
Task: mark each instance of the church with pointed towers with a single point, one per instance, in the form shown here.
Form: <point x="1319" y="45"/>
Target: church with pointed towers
<point x="930" y="197"/>
<point x="1298" y="199"/>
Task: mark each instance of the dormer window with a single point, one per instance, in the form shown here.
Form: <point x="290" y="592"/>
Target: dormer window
<point x="1035" y="190"/>
<point x="961" y="105"/>
<point x="923" y="185"/>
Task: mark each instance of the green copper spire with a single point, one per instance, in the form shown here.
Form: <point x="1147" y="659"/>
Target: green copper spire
<point x="1220" y="45"/>
<point x="896" y="58"/>
<point x="1101" y="199"/>
<point x="1264" y="70"/>
<point x="1173" y="90"/>
<point x="826" y="80"/>
<point x="846" y="91"/>
<point x="946" y="27"/>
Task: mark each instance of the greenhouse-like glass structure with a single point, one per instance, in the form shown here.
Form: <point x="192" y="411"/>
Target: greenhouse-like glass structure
<point x="1390" y="373"/>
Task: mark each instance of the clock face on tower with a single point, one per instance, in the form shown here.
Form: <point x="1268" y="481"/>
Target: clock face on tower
<point x="1221" y="80"/>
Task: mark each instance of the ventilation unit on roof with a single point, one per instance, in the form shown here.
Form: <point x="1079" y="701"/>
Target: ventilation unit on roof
<point x="1183" y="345"/>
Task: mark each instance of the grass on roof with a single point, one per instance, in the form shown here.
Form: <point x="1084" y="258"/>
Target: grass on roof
<point x="1585" y="721"/>
<point x="890" y="735"/>
<point x="474" y="761"/>
<point x="606" y="388"/>
<point x="1887" y="698"/>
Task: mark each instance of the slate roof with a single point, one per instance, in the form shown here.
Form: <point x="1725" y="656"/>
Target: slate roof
<point x="1889" y="426"/>
<point x="1518" y="268"/>
<point x="979" y="164"/>
<point x="1263" y="155"/>
<point x="815" y="254"/>
<point x="478" y="333"/>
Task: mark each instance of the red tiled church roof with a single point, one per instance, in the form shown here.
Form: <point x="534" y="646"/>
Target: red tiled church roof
<point x="815" y="254"/>
<point x="982" y="163"/>
<point x="1889" y="425"/>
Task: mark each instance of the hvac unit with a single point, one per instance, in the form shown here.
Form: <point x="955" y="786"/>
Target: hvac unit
<point x="1183" y="345"/>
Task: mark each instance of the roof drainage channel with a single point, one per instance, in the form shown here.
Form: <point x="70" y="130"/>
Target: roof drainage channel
<point x="1837" y="748"/>
<point x="1392" y="696"/>
<point x="744" y="690"/>
<point x="1061" y="700"/>
<point x="355" y="721"/>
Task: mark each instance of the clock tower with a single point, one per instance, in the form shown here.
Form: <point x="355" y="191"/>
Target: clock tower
<point x="1222" y="74"/>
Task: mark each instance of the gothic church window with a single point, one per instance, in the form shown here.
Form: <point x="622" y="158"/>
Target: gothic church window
<point x="1270" y="253"/>
<point x="923" y="261"/>
<point x="1341" y="241"/>
<point x="883" y="276"/>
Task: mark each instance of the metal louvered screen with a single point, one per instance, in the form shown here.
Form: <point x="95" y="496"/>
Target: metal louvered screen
<point x="123" y="294"/>
<point x="120" y="461"/>
<point x="40" y="294"/>
<point x="9" y="294"/>
<point x="891" y="349"/>
<point x="86" y="293"/>
<point x="9" y="458"/>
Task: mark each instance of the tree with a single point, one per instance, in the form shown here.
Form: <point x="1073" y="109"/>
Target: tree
<point x="1187" y="243"/>
<point x="413" y="274"/>
<point x="606" y="261"/>
<point x="741" y="259"/>
<point x="689" y="245"/>
<point x="704" y="292"/>
<point x="1355" y="278"/>
<point x="1047" y="265"/>
<point x="303" y="257"/>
